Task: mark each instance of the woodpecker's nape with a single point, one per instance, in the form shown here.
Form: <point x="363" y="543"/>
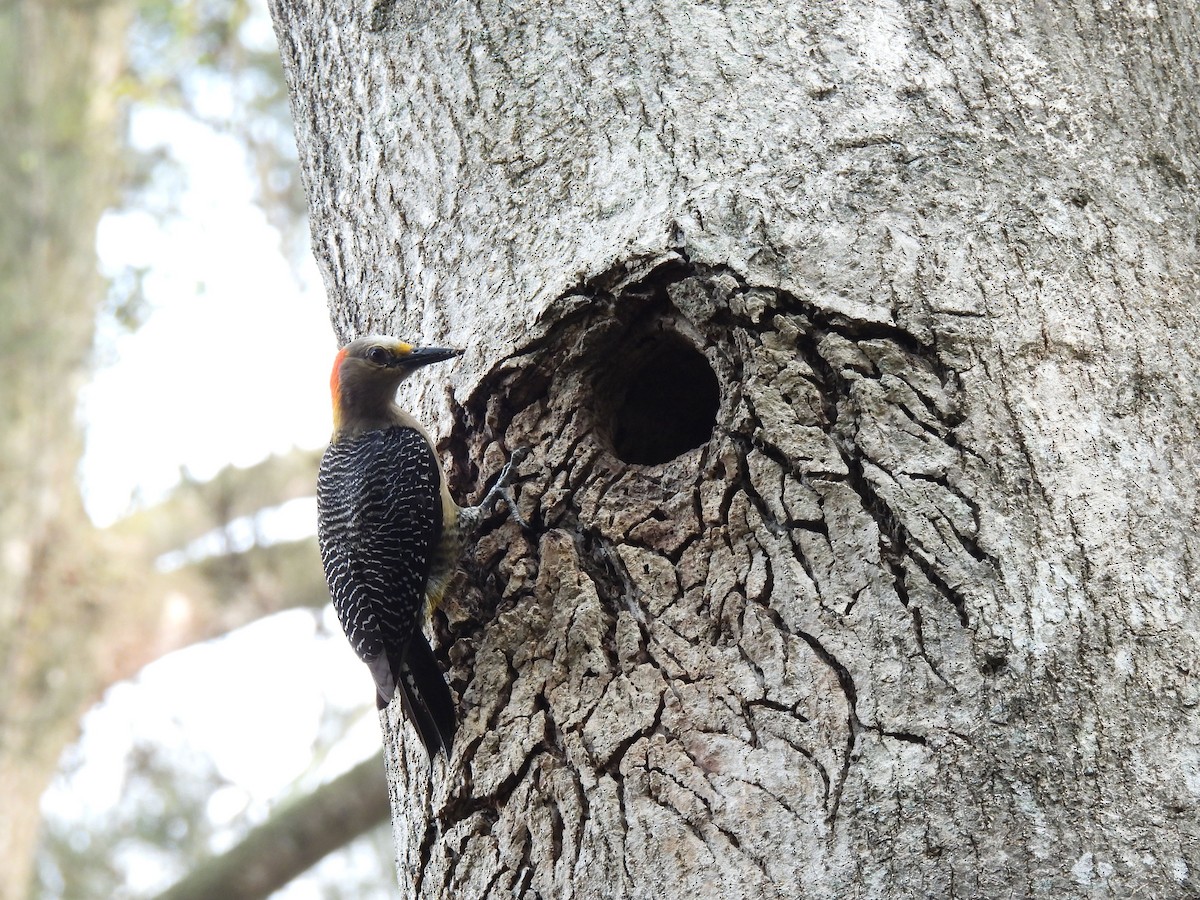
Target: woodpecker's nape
<point x="389" y="531"/>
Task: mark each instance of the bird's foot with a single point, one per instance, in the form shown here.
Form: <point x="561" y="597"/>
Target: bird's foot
<point x="502" y="489"/>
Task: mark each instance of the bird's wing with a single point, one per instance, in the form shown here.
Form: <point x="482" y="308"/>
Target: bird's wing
<point x="380" y="515"/>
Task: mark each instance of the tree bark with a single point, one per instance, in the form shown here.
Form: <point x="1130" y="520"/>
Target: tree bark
<point x="856" y="345"/>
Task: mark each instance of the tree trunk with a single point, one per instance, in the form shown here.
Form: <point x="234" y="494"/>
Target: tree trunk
<point x="856" y="346"/>
<point x="57" y="172"/>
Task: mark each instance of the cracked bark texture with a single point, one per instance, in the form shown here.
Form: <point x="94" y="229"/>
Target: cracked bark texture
<point x="915" y="616"/>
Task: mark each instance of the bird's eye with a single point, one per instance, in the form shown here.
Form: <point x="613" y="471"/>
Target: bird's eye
<point x="378" y="355"/>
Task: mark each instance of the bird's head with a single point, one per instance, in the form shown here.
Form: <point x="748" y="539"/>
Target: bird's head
<point x="367" y="371"/>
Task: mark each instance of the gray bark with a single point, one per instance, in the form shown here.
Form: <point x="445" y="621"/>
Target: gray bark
<point x="913" y="618"/>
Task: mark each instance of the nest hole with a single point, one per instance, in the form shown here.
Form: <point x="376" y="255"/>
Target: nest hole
<point x="667" y="397"/>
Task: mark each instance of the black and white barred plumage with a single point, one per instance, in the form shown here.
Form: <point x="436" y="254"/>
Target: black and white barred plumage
<point x="380" y="526"/>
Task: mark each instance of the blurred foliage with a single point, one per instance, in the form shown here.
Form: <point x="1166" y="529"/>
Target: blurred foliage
<point x="211" y="62"/>
<point x="214" y="61"/>
<point x="175" y="811"/>
<point x="57" y="165"/>
<point x="163" y="822"/>
<point x="160" y="825"/>
<point x="196" y="507"/>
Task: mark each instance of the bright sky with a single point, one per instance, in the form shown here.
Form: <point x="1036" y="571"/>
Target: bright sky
<point x="231" y="365"/>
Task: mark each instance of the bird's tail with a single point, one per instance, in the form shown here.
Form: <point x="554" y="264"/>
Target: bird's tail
<point x="427" y="700"/>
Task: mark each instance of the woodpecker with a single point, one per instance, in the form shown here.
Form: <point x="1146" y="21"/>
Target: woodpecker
<point x="389" y="531"/>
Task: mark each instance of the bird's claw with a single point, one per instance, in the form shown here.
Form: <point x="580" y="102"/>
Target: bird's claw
<point x="503" y="487"/>
<point x="518" y="456"/>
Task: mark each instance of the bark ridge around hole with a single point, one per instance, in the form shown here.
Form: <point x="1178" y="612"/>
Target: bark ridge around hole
<point x="828" y="513"/>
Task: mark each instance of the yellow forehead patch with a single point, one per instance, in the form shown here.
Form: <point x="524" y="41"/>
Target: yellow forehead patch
<point x="402" y="348"/>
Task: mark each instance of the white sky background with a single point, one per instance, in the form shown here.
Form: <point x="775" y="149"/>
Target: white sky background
<point x="231" y="365"/>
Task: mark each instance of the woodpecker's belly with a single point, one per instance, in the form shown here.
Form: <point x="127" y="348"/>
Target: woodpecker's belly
<point x="445" y="561"/>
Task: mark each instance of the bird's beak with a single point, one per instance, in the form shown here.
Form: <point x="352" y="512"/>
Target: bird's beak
<point x="423" y="356"/>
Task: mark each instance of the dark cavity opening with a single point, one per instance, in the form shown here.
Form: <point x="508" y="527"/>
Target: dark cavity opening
<point x="666" y="401"/>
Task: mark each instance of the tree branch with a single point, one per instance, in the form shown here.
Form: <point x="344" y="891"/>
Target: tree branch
<point x="295" y="838"/>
